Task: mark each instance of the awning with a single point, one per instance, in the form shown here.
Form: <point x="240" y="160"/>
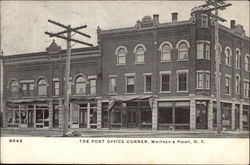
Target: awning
<point x="26" y="101"/>
<point x="115" y="99"/>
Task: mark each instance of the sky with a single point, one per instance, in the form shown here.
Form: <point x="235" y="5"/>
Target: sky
<point x="23" y="23"/>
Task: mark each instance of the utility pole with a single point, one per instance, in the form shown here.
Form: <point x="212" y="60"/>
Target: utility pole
<point x="68" y="38"/>
<point x="217" y="5"/>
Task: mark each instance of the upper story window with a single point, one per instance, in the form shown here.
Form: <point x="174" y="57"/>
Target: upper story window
<point x="27" y="88"/>
<point x="139" y="55"/>
<point x="147" y="82"/>
<point x="165" y="81"/>
<point x="228" y="55"/>
<point x="112" y="84"/>
<point x="237" y="59"/>
<point x="203" y="80"/>
<point x="56" y="88"/>
<point x="203" y="50"/>
<point x="92" y="84"/>
<point x="130" y="83"/>
<point x="247" y="63"/>
<point x="227" y="85"/>
<point x="121" y="55"/>
<point x="14" y="88"/>
<point x="246" y="88"/>
<point x="204" y="21"/>
<point x="182" y="81"/>
<point x="237" y="84"/>
<point x="165" y="49"/>
<point x="182" y="47"/>
<point x="42" y="87"/>
<point x="80" y="85"/>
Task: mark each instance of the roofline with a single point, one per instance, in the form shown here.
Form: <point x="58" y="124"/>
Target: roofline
<point x="230" y="31"/>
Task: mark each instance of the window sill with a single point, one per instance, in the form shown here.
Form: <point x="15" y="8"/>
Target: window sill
<point x="181" y="91"/>
<point x="227" y="94"/>
<point x="203" y="59"/>
<point x="112" y="94"/>
<point x="183" y="60"/>
<point x="129" y="93"/>
<point x="147" y="92"/>
<point x="165" y="92"/>
<point x="140" y="63"/>
<point x="227" y="65"/>
<point x="120" y="64"/>
<point x="166" y="61"/>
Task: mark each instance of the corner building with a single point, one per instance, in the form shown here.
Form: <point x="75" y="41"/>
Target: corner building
<point x="153" y="75"/>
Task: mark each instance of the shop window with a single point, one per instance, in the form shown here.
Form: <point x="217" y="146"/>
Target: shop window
<point x="14" y="88"/>
<point x="23" y="116"/>
<point x="56" y="88"/>
<point x="92" y="83"/>
<point x="146" y="115"/>
<point x="183" y="51"/>
<point x="115" y="116"/>
<point x="93" y="116"/>
<point x="165" y="113"/>
<point x="228" y="54"/>
<point x="42" y="116"/>
<point x="237" y="84"/>
<point x="204" y="21"/>
<point x="139" y="56"/>
<point x="182" y="81"/>
<point x="42" y="87"/>
<point x="237" y="59"/>
<point x="247" y="63"/>
<point x="112" y="85"/>
<point x="214" y="115"/>
<point x="13" y="116"/>
<point x="104" y="115"/>
<point x="227" y="85"/>
<point x="148" y="83"/>
<point x="246" y="89"/>
<point x="226" y="116"/>
<point x="56" y="116"/>
<point x="165" y="82"/>
<point x="182" y="113"/>
<point x="130" y="84"/>
<point x="80" y="85"/>
<point x="121" y="56"/>
<point x="166" y="53"/>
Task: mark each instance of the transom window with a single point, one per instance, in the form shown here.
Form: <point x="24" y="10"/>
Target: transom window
<point x="140" y="52"/>
<point x="14" y="88"/>
<point x="166" y="53"/>
<point x="228" y="55"/>
<point x="183" y="51"/>
<point x="237" y="84"/>
<point x="42" y="87"/>
<point x="80" y="85"/>
<point x="121" y="56"/>
<point x="247" y="63"/>
<point x="237" y="60"/>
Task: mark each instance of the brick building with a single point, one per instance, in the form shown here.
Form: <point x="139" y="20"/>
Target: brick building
<point x="153" y="75"/>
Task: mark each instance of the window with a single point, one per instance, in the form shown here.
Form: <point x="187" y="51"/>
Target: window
<point x="182" y="81"/>
<point x="27" y="89"/>
<point x="147" y="83"/>
<point x="92" y="83"/>
<point x="165" y="82"/>
<point x="228" y="55"/>
<point x="56" y="116"/>
<point x="207" y="52"/>
<point x="237" y="60"/>
<point x="200" y="50"/>
<point x="227" y="85"/>
<point x="183" y="51"/>
<point x="130" y="84"/>
<point x="42" y="87"/>
<point x="237" y="84"/>
<point x="246" y="89"/>
<point x="112" y="85"/>
<point x="56" y="88"/>
<point x="207" y="78"/>
<point x="200" y="81"/>
<point x="166" y="53"/>
<point x="139" y="55"/>
<point x="204" y="21"/>
<point x="121" y="56"/>
<point x="14" y="88"/>
<point x="42" y="116"/>
<point x="247" y="63"/>
<point x="80" y="85"/>
<point x="24" y="90"/>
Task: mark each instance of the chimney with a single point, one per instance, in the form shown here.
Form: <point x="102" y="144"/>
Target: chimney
<point x="174" y="17"/>
<point x="156" y="18"/>
<point x="232" y="24"/>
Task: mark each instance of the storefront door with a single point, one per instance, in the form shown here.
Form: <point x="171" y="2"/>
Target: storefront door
<point x="201" y="115"/>
<point x="237" y="117"/>
<point x="132" y="118"/>
<point x="30" y="118"/>
<point x="82" y="118"/>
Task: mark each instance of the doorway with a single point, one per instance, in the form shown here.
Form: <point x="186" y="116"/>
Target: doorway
<point x="82" y="118"/>
<point x="132" y="118"/>
<point x="237" y="116"/>
<point x="201" y="114"/>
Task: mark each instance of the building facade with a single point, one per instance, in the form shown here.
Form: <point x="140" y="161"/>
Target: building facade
<point x="153" y="75"/>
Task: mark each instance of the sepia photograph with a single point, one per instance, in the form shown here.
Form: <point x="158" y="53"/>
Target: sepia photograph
<point x="156" y="79"/>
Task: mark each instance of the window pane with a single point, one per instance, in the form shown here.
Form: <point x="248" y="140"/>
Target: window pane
<point x="182" y="82"/>
<point x="112" y="85"/>
<point x="200" y="50"/>
<point x="93" y="86"/>
<point x="207" y="84"/>
<point x="80" y="85"/>
<point x="148" y="83"/>
<point x="121" y="59"/>
<point x="199" y="80"/>
<point x="42" y="90"/>
<point x="182" y="112"/>
<point x="165" y="83"/>
<point x="207" y="54"/>
<point x="130" y="80"/>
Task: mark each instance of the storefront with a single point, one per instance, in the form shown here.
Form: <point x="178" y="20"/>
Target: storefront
<point x="201" y="114"/>
<point x="174" y="115"/>
<point x="245" y="118"/>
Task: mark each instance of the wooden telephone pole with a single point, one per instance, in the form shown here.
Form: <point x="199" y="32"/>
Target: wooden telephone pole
<point x="215" y="5"/>
<point x="69" y="39"/>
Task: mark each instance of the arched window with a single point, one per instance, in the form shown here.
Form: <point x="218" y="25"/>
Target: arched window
<point x="183" y="51"/>
<point x="237" y="59"/>
<point x="228" y="55"/>
<point x="247" y="63"/>
<point x="140" y="52"/>
<point x="14" y="88"/>
<point x="42" y="87"/>
<point x="80" y="85"/>
<point x="237" y="84"/>
<point x="121" y="55"/>
<point x="166" y="52"/>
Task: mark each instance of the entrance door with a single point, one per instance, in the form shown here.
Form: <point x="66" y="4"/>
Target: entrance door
<point x="30" y="118"/>
<point x="237" y="117"/>
<point x="201" y="115"/>
<point x="82" y="118"/>
<point x="132" y="118"/>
